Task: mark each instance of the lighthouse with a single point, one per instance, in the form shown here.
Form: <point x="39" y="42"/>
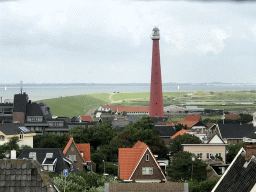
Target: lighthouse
<point x="156" y="96"/>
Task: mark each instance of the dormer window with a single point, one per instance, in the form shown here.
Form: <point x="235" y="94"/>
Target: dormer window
<point x="2" y="138"/>
<point x="21" y="135"/>
<point x="82" y="153"/>
<point x="49" y="162"/>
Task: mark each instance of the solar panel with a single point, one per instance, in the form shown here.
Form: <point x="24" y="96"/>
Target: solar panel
<point x="24" y="129"/>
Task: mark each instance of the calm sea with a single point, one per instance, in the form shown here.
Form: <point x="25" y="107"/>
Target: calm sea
<point x="46" y="91"/>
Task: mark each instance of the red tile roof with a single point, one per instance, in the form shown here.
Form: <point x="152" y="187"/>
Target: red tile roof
<point x="86" y="118"/>
<point x="232" y="116"/>
<point x="127" y="109"/>
<point x="84" y="147"/>
<point x="181" y="132"/>
<point x="129" y="159"/>
<point x="190" y="120"/>
<point x="193" y="118"/>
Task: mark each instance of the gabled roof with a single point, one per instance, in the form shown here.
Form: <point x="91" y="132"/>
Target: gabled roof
<point x="190" y="120"/>
<point x="236" y="130"/>
<point x="232" y="116"/>
<point x="215" y="138"/>
<point x="33" y="109"/>
<point x="26" y="174"/>
<point x="193" y="117"/>
<point x="238" y="177"/>
<point x="129" y="158"/>
<point x="166" y="131"/>
<point x="181" y="132"/>
<point x="14" y="129"/>
<point x="83" y="147"/>
<point x="62" y="161"/>
<point x="86" y="118"/>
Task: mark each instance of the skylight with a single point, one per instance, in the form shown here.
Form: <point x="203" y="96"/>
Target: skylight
<point x="24" y="129"/>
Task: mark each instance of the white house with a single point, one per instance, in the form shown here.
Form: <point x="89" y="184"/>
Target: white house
<point x="10" y="130"/>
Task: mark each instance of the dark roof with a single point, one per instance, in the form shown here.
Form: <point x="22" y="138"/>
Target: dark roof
<point x="158" y="119"/>
<point x="166" y="131"/>
<point x="238" y="178"/>
<point x="107" y="118"/>
<point x="33" y="109"/>
<point x="13" y="129"/>
<point x="74" y="119"/>
<point x="28" y="175"/>
<point x="200" y="123"/>
<point x="236" y="130"/>
<point x="57" y="153"/>
<point x="20" y="101"/>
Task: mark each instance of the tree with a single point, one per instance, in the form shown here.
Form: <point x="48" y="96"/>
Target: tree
<point x="181" y="168"/>
<point x="49" y="141"/>
<point x="143" y="130"/>
<point x="207" y="185"/>
<point x="180" y="126"/>
<point x="10" y="145"/>
<point x="233" y="149"/>
<point x="175" y="144"/>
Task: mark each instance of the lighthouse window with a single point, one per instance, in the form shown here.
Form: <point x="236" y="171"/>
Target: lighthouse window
<point x="156" y="103"/>
<point x="156" y="92"/>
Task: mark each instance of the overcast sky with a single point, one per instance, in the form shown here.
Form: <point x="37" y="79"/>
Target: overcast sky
<point x="45" y="41"/>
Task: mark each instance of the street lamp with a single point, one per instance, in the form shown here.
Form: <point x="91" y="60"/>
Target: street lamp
<point x="193" y="159"/>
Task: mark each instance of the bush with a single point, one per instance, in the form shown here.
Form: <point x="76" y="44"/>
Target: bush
<point x="207" y="185"/>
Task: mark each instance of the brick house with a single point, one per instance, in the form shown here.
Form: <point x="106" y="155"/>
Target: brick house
<point x="138" y="164"/>
<point x="80" y="155"/>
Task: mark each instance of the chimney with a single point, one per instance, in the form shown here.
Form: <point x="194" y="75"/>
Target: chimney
<point x="250" y="149"/>
<point x="13" y="154"/>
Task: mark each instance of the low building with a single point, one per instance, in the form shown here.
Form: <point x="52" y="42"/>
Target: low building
<point x="52" y="159"/>
<point x="80" y="154"/>
<point x="10" y="130"/>
<point x="138" y="164"/>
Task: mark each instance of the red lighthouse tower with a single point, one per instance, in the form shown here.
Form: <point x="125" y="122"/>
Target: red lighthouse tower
<point x="156" y="97"/>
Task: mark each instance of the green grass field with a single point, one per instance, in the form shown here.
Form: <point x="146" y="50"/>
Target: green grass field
<point x="75" y="105"/>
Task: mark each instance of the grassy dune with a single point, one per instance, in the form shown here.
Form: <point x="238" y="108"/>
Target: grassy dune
<point x="75" y="105"/>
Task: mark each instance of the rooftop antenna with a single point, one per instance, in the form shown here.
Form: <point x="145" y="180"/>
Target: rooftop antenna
<point x="21" y="87"/>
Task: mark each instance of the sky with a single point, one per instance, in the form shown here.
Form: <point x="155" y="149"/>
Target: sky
<point x="94" y="41"/>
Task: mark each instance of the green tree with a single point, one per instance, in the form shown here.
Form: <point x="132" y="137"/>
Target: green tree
<point x="10" y="145"/>
<point x="180" y="126"/>
<point x="175" y="144"/>
<point x="143" y="130"/>
<point x="233" y="149"/>
<point x="110" y="168"/>
<point x="181" y="168"/>
<point x="49" y="141"/>
<point x="203" y="186"/>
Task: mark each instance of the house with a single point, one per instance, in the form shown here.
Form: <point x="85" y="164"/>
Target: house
<point x="85" y="118"/>
<point x="194" y="122"/>
<point x="52" y="159"/>
<point x="138" y="164"/>
<point x="234" y="133"/>
<point x="166" y="132"/>
<point x="24" y="175"/>
<point x="241" y="173"/>
<point x="80" y="155"/>
<point x="215" y="147"/>
<point x="10" y="130"/>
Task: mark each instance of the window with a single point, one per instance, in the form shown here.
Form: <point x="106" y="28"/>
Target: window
<point x="72" y="148"/>
<point x="32" y="155"/>
<point x="72" y="157"/>
<point x="209" y="155"/>
<point x="218" y="154"/>
<point x="82" y="153"/>
<point x="147" y="157"/>
<point x="45" y="167"/>
<point x="199" y="155"/>
<point x="50" y="167"/>
<point x="147" y="170"/>
<point x="21" y="136"/>
<point x="2" y="138"/>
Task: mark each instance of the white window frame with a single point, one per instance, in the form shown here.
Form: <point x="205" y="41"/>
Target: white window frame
<point x="147" y="157"/>
<point x="199" y="155"/>
<point x="72" y="157"/>
<point x="147" y="170"/>
<point x="21" y="136"/>
<point x="2" y="138"/>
